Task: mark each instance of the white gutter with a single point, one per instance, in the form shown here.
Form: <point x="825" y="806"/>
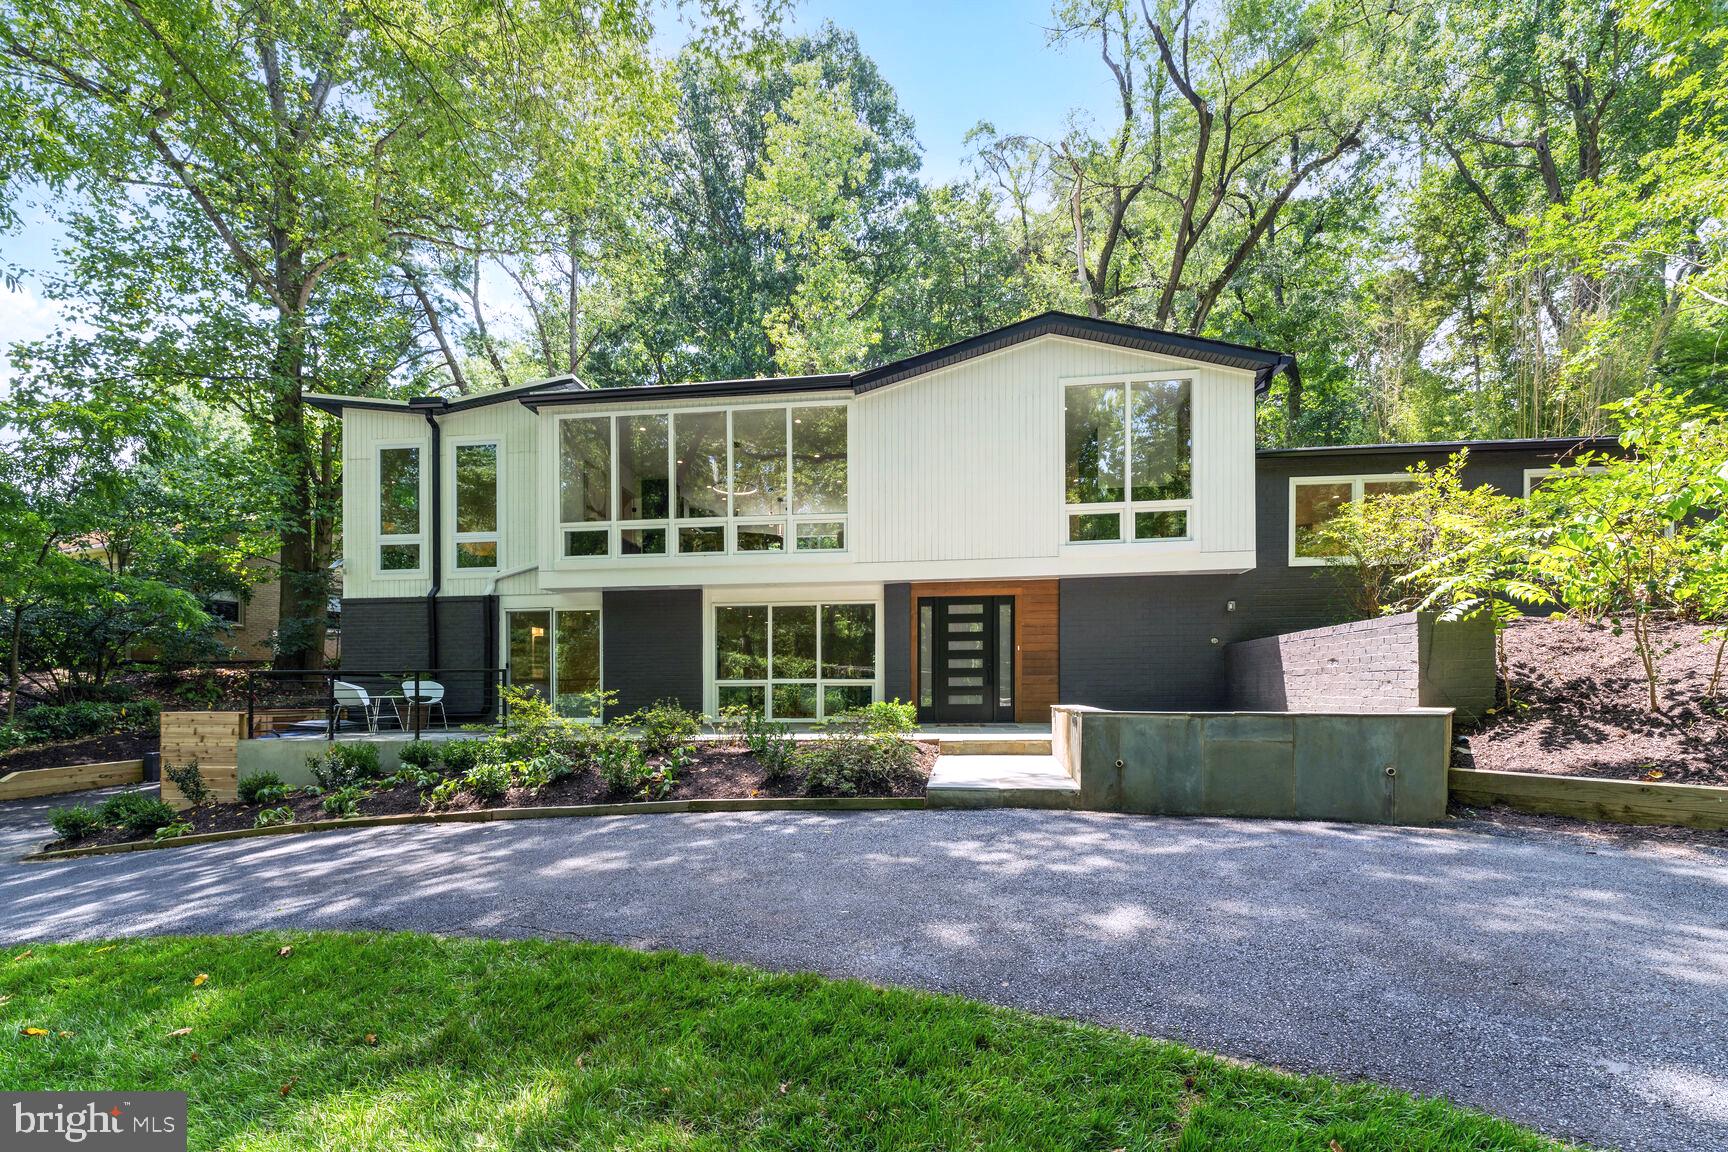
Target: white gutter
<point x="492" y="584"/>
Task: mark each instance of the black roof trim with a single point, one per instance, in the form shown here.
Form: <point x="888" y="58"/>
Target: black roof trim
<point x="774" y="386"/>
<point x="1262" y="363"/>
<point x="1556" y="444"/>
<point x="553" y="386"/>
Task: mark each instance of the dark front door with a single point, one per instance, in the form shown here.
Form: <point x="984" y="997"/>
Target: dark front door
<point x="966" y="659"/>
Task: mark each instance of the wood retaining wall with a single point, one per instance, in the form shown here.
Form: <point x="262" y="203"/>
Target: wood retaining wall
<point x="1592" y="798"/>
<point x="33" y="782"/>
<point x="210" y="738"/>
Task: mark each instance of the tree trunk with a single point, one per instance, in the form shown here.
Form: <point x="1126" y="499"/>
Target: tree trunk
<point x="300" y="630"/>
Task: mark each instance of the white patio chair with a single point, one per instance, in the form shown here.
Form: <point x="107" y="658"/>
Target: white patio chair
<point x="427" y="694"/>
<point x="353" y="696"/>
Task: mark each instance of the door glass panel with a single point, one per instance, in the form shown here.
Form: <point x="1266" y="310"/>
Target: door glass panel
<point x="1094" y="443"/>
<point x="700" y="460"/>
<point x="741" y="643"/>
<point x="966" y="646"/>
<point x="819" y="459"/>
<point x="794" y="654"/>
<point x="849" y="642"/>
<point x="966" y="626"/>
<point x="926" y="655"/>
<point x="584" y="469"/>
<point x="577" y="654"/>
<point x="1005" y="654"/>
<point x="531" y="651"/>
<point x="965" y="681"/>
<point x="971" y="698"/>
<point x="972" y="662"/>
<point x="759" y="462"/>
<point x="965" y="609"/>
<point x="644" y="487"/>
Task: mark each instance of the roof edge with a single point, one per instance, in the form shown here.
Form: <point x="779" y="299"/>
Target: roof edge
<point x="1527" y="444"/>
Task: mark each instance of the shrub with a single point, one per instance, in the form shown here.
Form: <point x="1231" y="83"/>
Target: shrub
<point x="178" y="828"/>
<point x="49" y="722"/>
<point x="271" y="817"/>
<point x="458" y="756"/>
<point x="771" y="744"/>
<point x="487" y="781"/>
<point x="664" y="726"/>
<point x="344" y="803"/>
<point x="340" y="765"/>
<point x="854" y="765"/>
<point x="623" y="765"/>
<point x="883" y="718"/>
<point x="136" y="813"/>
<point x="190" y="780"/>
<point x="261" y="788"/>
<point x="443" y="794"/>
<point x="419" y="754"/>
<point x="12" y="736"/>
<point x="418" y="778"/>
<point x="74" y="823"/>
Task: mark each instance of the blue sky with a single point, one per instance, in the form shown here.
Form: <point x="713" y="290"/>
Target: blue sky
<point x="952" y="63"/>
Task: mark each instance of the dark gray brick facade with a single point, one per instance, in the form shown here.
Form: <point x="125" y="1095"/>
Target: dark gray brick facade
<point x="652" y="640"/>
<point x="390" y="635"/>
<point x="896" y="625"/>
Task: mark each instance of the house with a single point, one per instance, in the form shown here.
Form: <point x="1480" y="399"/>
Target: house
<point x="1064" y="509"/>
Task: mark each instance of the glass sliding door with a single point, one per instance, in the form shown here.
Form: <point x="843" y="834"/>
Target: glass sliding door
<point x="556" y="654"/>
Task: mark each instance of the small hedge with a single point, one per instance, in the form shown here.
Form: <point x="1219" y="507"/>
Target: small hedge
<point x="48" y="723"/>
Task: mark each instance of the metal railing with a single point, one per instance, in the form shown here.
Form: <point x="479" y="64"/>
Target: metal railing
<point x="407" y="696"/>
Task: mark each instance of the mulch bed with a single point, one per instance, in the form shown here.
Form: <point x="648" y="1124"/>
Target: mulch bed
<point x="89" y="750"/>
<point x="1583" y="708"/>
<point x="717" y="773"/>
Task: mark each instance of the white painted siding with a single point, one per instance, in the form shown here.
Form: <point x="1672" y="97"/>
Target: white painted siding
<point x="956" y="474"/>
<point x="965" y="464"/>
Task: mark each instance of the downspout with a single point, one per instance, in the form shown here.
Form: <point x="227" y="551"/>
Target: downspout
<point x="431" y="406"/>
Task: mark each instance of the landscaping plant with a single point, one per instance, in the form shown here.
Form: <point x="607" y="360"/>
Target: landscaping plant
<point x="76" y="822"/>
<point x="178" y="828"/>
<point x="457" y="756"/>
<point x="272" y="817"/>
<point x="261" y="788"/>
<point x="772" y="745"/>
<point x="344" y="803"/>
<point x="136" y="813"/>
<point x="664" y="726"/>
<point x="487" y="780"/>
<point x="190" y="780"/>
<point x="342" y="764"/>
<point x="856" y="764"/>
<point x="623" y="764"/>
<point x="419" y="754"/>
<point x="443" y="793"/>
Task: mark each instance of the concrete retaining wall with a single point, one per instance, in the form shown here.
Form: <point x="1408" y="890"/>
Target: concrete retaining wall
<point x="1412" y="660"/>
<point x="1379" y="768"/>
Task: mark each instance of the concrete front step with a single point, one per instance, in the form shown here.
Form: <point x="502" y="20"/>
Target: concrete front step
<point x="981" y="780"/>
<point x="993" y="745"/>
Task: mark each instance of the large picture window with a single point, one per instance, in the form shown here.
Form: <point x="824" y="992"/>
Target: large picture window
<point x="476" y="506"/>
<point x="795" y="661"/>
<point x="1128" y="456"/>
<point x="401" y="535"/>
<point x="556" y="654"/>
<point x="1316" y="500"/>
<point x="738" y="481"/>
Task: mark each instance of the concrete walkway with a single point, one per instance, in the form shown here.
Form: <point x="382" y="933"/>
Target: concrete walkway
<point x="1576" y="987"/>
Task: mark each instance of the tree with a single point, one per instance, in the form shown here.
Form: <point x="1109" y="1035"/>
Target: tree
<point x="1223" y="116"/>
<point x="1638" y="538"/>
<point x="273" y="162"/>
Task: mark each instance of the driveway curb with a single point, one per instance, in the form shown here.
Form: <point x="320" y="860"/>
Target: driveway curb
<point x="489" y="815"/>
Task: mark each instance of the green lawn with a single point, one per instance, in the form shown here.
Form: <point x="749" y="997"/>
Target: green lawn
<point x="404" y="1041"/>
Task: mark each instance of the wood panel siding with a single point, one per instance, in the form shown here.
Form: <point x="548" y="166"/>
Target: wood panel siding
<point x="1037" y="657"/>
<point x="212" y="740"/>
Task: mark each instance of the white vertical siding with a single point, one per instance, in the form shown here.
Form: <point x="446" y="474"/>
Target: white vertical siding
<point x="965" y="464"/>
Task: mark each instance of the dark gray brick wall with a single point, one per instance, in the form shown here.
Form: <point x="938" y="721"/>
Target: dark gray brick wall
<point x="896" y="624"/>
<point x="1375" y="665"/>
<point x="652" y="646"/>
<point x="389" y="634"/>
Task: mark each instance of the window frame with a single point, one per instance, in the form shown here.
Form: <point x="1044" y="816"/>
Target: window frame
<point x="381" y="540"/>
<point x="1126" y="508"/>
<point x="729" y="523"/>
<point x="552" y="607"/>
<point x="1533" y="474"/>
<point x="713" y="684"/>
<point x="494" y="537"/>
<point x="1356" y="482"/>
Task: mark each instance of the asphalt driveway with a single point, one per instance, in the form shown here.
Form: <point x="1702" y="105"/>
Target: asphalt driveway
<point x="1579" y="988"/>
